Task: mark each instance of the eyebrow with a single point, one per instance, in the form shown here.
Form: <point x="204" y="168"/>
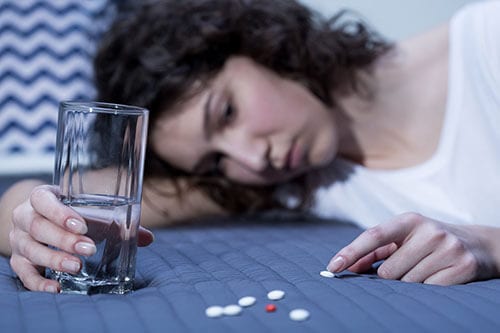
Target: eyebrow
<point x="207" y="128"/>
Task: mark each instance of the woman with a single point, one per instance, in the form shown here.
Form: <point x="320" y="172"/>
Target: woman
<point x="265" y="100"/>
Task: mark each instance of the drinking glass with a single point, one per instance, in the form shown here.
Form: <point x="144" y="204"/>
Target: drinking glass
<point x="99" y="166"/>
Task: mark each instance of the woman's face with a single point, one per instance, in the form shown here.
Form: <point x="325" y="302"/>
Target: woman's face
<point x="249" y="125"/>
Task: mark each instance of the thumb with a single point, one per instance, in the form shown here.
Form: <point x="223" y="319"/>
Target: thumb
<point x="145" y="237"/>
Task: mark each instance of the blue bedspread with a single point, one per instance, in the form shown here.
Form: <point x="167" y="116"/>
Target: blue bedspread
<point x="189" y="268"/>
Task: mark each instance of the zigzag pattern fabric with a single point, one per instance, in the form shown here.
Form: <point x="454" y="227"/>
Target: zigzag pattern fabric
<point x="46" y="50"/>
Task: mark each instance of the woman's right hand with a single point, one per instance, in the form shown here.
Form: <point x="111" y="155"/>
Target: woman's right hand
<point x="43" y="220"/>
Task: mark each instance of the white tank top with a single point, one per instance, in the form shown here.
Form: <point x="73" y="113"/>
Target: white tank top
<point x="461" y="182"/>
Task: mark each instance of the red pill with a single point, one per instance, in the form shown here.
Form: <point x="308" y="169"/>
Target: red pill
<point x="270" y="308"/>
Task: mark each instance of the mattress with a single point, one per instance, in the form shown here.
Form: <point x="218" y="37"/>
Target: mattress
<point x="215" y="262"/>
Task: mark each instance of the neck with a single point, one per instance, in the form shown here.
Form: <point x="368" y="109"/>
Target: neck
<point x="399" y="125"/>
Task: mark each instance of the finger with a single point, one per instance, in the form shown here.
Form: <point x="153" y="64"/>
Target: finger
<point x="41" y="255"/>
<point x="46" y="232"/>
<point x="452" y="275"/>
<point x="30" y="276"/>
<point x="45" y="202"/>
<point x="425" y="268"/>
<point x="145" y="237"/>
<point x="373" y="238"/>
<point x="364" y="264"/>
<point x="415" y="248"/>
<point x="442" y="260"/>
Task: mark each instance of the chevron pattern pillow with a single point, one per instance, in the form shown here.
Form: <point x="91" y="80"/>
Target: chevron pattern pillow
<point x="46" y="50"/>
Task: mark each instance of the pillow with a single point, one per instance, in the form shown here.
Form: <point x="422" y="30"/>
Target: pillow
<point x="46" y="51"/>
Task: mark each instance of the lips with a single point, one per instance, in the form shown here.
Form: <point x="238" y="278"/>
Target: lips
<point x="294" y="157"/>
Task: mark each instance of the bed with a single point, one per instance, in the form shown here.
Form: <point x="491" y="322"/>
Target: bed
<point x="47" y="58"/>
<point x="215" y="262"/>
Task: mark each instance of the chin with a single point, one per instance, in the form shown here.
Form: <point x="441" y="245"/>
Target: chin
<point x="323" y="160"/>
<point x="328" y="155"/>
<point x="324" y="153"/>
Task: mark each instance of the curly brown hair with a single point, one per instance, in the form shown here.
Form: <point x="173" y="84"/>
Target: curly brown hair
<point x="153" y="57"/>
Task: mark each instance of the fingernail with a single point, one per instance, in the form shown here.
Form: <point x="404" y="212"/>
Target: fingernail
<point x="70" y="265"/>
<point x="86" y="249"/>
<point x="51" y="289"/>
<point x="77" y="226"/>
<point x="336" y="265"/>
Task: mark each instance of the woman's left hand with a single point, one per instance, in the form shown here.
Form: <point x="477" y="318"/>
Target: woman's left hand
<point x="419" y="249"/>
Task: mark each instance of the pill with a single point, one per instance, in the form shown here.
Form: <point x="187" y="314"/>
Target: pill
<point x="275" y="295"/>
<point x="247" y="301"/>
<point x="214" y="311"/>
<point x="299" y="314"/>
<point x="270" y="307"/>
<point x="327" y="274"/>
<point x="232" y="310"/>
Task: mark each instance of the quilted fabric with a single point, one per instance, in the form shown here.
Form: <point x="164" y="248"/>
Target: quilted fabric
<point x="191" y="267"/>
<point x="46" y="49"/>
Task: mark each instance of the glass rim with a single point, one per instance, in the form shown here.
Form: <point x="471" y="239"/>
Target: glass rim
<point x="102" y="107"/>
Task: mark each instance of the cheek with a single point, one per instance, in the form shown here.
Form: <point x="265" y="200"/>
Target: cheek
<point x="168" y="149"/>
<point x="265" y="113"/>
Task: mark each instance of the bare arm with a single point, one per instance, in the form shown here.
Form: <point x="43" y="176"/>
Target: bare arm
<point x="160" y="209"/>
<point x="33" y="217"/>
<point x="154" y="205"/>
<point x="161" y="206"/>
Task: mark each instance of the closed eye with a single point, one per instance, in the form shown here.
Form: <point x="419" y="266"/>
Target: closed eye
<point x="227" y="115"/>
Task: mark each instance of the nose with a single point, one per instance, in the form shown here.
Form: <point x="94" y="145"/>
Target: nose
<point x="252" y="154"/>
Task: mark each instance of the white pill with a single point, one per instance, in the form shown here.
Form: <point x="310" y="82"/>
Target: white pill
<point x="327" y="274"/>
<point x="232" y="310"/>
<point x="299" y="314"/>
<point x="247" y="301"/>
<point x="214" y="311"/>
<point x="275" y="295"/>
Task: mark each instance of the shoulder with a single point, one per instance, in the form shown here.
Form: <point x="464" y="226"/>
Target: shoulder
<point x="478" y="21"/>
<point x="482" y="9"/>
<point x="474" y="32"/>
